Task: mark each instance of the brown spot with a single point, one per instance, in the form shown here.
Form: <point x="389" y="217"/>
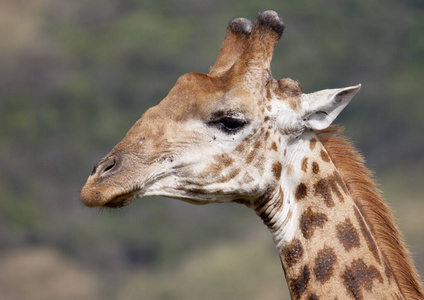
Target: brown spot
<point x="325" y="156"/>
<point x="310" y="220"/>
<point x="250" y="156"/>
<point x="274" y="147"/>
<point x="367" y="235"/>
<point x="292" y="253"/>
<point x="233" y="173"/>
<point x="324" y="264"/>
<point x="276" y="170"/>
<point x="241" y="147"/>
<point x="269" y="107"/>
<point x="312" y="144"/>
<point x="213" y="170"/>
<point x="358" y="277"/>
<point x="322" y="188"/>
<point x="340" y="181"/>
<point x="301" y="191"/>
<point x="224" y="159"/>
<point x="325" y="186"/>
<point x="266" y="119"/>
<point x="285" y="152"/>
<point x="315" y="167"/>
<point x="313" y="297"/>
<point x="347" y="235"/>
<point x="299" y="285"/>
<point x="305" y="164"/>
<point x="267" y="135"/>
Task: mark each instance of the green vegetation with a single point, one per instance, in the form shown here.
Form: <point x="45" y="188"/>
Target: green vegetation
<point x="75" y="75"/>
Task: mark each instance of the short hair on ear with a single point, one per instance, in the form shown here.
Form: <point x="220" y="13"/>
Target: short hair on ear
<point x="322" y="108"/>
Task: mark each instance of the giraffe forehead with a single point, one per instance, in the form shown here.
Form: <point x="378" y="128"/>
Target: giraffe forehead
<point x="198" y="95"/>
<point x="193" y="94"/>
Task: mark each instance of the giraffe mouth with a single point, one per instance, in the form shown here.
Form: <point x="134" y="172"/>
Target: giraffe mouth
<point x="122" y="200"/>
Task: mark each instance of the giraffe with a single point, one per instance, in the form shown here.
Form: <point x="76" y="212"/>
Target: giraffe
<point x="238" y="135"/>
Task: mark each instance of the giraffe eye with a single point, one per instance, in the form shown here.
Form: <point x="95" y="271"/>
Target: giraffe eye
<point x="229" y="124"/>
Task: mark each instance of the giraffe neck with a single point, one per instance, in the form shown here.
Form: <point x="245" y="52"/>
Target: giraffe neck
<point x="325" y="244"/>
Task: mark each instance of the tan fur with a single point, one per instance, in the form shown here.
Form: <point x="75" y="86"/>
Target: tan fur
<point x="359" y="181"/>
<point x="175" y="150"/>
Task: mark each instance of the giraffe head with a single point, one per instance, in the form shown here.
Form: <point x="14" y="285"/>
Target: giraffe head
<point x="217" y="137"/>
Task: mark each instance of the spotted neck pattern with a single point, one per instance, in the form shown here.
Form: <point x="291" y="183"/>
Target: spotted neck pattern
<point x="326" y="247"/>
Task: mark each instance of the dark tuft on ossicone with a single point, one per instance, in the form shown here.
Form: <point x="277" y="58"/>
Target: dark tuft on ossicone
<point x="271" y="19"/>
<point x="241" y="25"/>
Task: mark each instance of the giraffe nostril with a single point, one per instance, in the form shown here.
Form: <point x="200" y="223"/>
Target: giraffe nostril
<point x="93" y="171"/>
<point x="109" y="167"/>
<point x="104" y="166"/>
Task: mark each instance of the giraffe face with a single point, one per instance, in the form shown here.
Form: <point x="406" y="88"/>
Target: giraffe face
<point x="217" y="137"/>
<point x="207" y="141"/>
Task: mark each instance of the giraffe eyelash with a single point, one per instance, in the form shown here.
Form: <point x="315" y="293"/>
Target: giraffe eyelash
<point x="228" y="124"/>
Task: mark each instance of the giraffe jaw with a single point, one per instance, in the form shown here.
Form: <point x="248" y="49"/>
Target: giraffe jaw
<point x="122" y="199"/>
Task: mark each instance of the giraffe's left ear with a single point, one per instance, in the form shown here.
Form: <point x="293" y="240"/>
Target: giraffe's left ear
<point x="322" y="107"/>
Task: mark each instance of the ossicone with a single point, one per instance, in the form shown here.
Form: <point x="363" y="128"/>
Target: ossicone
<point x="248" y="47"/>
<point x="238" y="32"/>
<point x="254" y="64"/>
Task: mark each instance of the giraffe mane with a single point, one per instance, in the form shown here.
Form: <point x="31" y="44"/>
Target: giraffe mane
<point x="361" y="185"/>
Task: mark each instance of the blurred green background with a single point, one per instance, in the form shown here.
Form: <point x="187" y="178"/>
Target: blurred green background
<point x="74" y="77"/>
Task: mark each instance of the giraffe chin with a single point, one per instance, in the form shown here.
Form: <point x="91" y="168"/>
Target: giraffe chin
<point x="122" y="200"/>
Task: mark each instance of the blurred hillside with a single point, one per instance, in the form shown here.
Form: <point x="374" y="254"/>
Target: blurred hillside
<point x="75" y="76"/>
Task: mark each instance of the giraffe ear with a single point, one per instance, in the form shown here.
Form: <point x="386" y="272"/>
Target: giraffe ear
<point x="322" y="107"/>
